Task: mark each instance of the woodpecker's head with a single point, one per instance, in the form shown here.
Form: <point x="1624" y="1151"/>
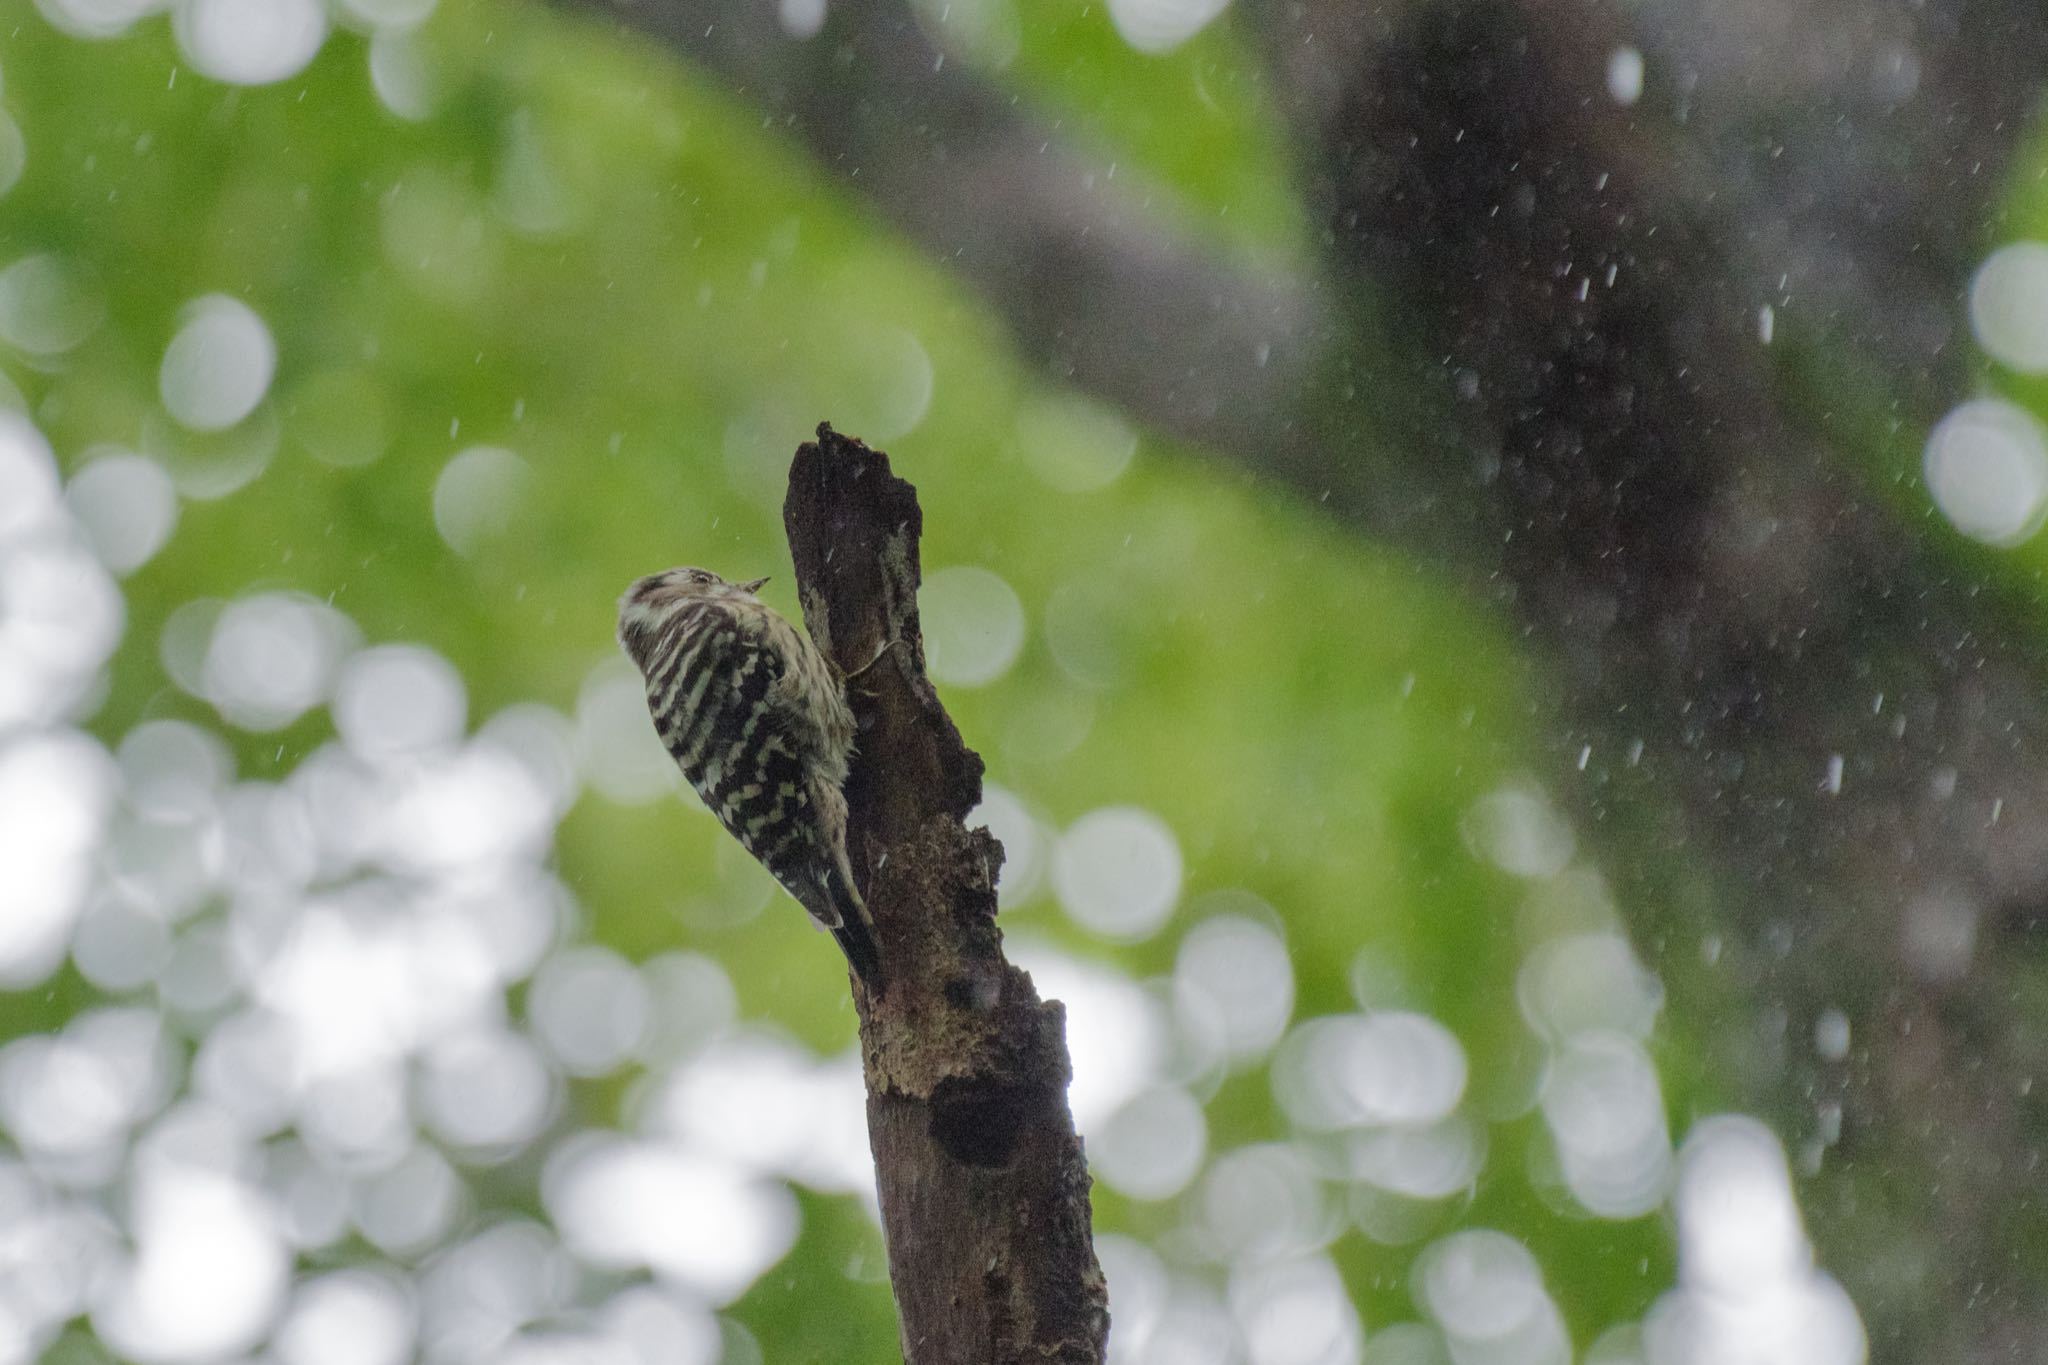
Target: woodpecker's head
<point x="655" y="599"/>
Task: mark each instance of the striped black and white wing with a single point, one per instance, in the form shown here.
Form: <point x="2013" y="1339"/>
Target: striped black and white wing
<point x="714" y="696"/>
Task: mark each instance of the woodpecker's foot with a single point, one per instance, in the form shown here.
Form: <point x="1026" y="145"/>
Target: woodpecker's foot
<point x="899" y="640"/>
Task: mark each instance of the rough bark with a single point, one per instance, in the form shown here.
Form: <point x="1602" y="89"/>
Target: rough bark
<point x="983" y="1188"/>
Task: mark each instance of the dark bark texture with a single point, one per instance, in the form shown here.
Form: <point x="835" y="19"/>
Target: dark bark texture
<point x="983" y="1188"/>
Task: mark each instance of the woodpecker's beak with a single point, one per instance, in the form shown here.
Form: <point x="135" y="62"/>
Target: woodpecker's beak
<point x="754" y="586"/>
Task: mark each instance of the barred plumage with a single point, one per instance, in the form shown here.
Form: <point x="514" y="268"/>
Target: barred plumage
<point x="757" y="720"/>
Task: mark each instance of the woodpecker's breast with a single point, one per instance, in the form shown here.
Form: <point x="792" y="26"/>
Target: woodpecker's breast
<point x="712" y="687"/>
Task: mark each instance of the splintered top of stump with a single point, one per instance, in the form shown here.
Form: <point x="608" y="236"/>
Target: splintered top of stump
<point x="853" y="530"/>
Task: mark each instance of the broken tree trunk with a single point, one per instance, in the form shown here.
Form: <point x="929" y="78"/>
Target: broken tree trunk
<point x="983" y="1188"/>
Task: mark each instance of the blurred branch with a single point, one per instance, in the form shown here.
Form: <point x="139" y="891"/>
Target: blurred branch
<point x="983" y="1188"/>
<point x="1086" y="267"/>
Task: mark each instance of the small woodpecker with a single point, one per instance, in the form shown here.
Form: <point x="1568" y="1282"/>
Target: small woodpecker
<point x="757" y="719"/>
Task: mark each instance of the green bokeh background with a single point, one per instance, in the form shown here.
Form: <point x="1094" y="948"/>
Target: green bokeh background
<point x="605" y="263"/>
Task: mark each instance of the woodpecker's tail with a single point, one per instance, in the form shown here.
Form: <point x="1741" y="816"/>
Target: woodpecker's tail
<point x="855" y="931"/>
<point x="859" y="946"/>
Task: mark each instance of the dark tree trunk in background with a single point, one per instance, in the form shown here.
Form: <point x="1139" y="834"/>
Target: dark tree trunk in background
<point x="1838" y="727"/>
<point x="1766" y="664"/>
<point x="984" y="1192"/>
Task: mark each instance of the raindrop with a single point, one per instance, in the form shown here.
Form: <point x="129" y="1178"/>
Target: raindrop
<point x="400" y="75"/>
<point x="1606" y="1113"/>
<point x="126" y="505"/>
<point x="1296" y="1313"/>
<point x="273" y="657"/>
<point x="1075" y="445"/>
<point x="479" y="494"/>
<point x="617" y="750"/>
<point x="46" y="307"/>
<point x="410" y="1206"/>
<point x="358" y="1119"/>
<point x="209" y="1271"/>
<point x="2009" y="306"/>
<point x="590" y="1009"/>
<point x="218" y="367"/>
<point x="973" y="626"/>
<point x="1118" y="872"/>
<point x="118" y="947"/>
<point x="28" y="478"/>
<point x="885" y="395"/>
<point x="1193" y="1329"/>
<point x="398" y="702"/>
<point x="1747" y="1286"/>
<point x="664" y="1328"/>
<point x="1482" y="1285"/>
<point x="1625" y="75"/>
<point x="615" y="1201"/>
<point x="1831" y="1035"/>
<point x="1234" y="974"/>
<point x="346" y="1317"/>
<point x="1264" y="1203"/>
<point x="211" y="465"/>
<point x="1986" y="465"/>
<point x="1939" y="933"/>
<point x="1588" y="981"/>
<point x="249" y="42"/>
<point x="693" y="1002"/>
<point x="247" y="1065"/>
<point x="1392" y="1066"/>
<point x="1516" y="829"/>
<point x="56" y="791"/>
<point x="801" y="19"/>
<point x="985" y="32"/>
<point x="97" y="18"/>
<point x="1138" y="1288"/>
<point x="486" y="1091"/>
<point x="1152" y="1146"/>
<point x="1433" y="1161"/>
<point x="543" y="742"/>
<point x="1156" y="26"/>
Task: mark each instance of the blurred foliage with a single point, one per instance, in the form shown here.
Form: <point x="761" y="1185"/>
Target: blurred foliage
<point x="606" y="265"/>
